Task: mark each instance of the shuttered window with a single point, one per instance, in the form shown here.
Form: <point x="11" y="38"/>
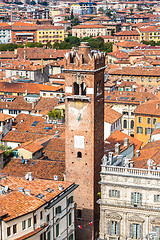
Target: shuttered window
<point x="57" y="230"/>
<point x="113" y="228"/>
<point x="70" y="219"/>
<point x="114" y="193"/>
<point x="136" y="199"/>
<point x="135" y="230"/>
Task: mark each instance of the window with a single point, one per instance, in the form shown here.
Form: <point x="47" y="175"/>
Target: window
<point x="148" y="120"/>
<point x="132" y="124"/>
<point x="29" y="222"/>
<point x="70" y="200"/>
<point x="157" y="230"/>
<point x="136" y="199"/>
<point x="148" y="131"/>
<point x="44" y="94"/>
<point x="125" y="113"/>
<point x="150" y="79"/>
<point x="154" y="120"/>
<point x="156" y="198"/>
<point x="41" y="215"/>
<point x="113" y="228"/>
<point x="139" y="119"/>
<point x="114" y="193"/>
<point x="70" y="219"/>
<point x="79" y="213"/>
<point x="132" y="113"/>
<point x="70" y="237"/>
<point x="58" y="210"/>
<point x="135" y="230"/>
<point x="23" y="225"/>
<point x="125" y="124"/>
<point x="8" y="231"/>
<point x="48" y="218"/>
<point x="35" y="219"/>
<point x="14" y="228"/>
<point x="139" y="130"/>
<point x="57" y="230"/>
<point x="79" y="155"/>
<point x="48" y="235"/>
<point x="142" y="79"/>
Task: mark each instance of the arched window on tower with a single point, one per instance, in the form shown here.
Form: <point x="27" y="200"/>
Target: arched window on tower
<point x="76" y="88"/>
<point x="79" y="155"/>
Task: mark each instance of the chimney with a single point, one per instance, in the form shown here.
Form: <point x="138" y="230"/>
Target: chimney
<point x="119" y="158"/>
<point x="60" y="188"/>
<point x="126" y="142"/>
<point x="131" y="164"/>
<point x="30" y="177"/>
<point x="117" y="148"/>
<point x="110" y="158"/>
<point x="137" y="153"/>
<point x="157" y="106"/>
<point x="20" y="189"/>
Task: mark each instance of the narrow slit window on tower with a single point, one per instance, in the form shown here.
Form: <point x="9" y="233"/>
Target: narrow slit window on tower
<point x="79" y="155"/>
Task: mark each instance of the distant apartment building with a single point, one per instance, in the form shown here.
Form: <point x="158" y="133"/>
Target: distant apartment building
<point x="5" y="33"/>
<point x="149" y="33"/>
<point x="33" y="13"/>
<point x="146" y="76"/>
<point x="81" y="31"/>
<point x="50" y="34"/>
<point x="83" y="8"/>
<point x="23" y="33"/>
<point x="147" y="115"/>
<point x="127" y="35"/>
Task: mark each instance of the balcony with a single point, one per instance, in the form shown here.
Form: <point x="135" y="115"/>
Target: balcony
<point x="131" y="171"/>
<point x="79" y="97"/>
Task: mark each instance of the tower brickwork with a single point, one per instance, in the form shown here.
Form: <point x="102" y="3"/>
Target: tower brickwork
<point x="84" y="146"/>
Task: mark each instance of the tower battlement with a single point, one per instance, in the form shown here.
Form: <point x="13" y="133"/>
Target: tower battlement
<point x="84" y="58"/>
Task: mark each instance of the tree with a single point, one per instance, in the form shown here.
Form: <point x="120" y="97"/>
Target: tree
<point x="48" y="45"/>
<point x="109" y="12"/>
<point x="72" y="16"/>
<point x="38" y="22"/>
<point x="131" y="11"/>
<point x="73" y="41"/>
<point x="75" y="22"/>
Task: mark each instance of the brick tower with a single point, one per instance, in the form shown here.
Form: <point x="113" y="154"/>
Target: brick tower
<point x="84" y="144"/>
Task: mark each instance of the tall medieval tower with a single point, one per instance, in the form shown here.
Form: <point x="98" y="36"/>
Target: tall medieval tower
<point x="84" y="144"/>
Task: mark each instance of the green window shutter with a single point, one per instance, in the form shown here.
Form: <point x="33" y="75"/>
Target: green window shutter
<point x="130" y="230"/>
<point x="70" y="219"/>
<point x="110" y="194"/>
<point x="155" y="198"/>
<point x="72" y="199"/>
<point x="108" y="228"/>
<point x="118" y="194"/>
<point x="132" y="198"/>
<point x="57" y="230"/>
<point x="48" y="236"/>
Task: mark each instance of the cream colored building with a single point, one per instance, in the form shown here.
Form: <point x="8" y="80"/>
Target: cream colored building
<point x="36" y="209"/>
<point x="81" y="31"/>
<point x="130" y="201"/>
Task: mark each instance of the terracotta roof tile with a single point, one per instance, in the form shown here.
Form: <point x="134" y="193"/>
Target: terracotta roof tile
<point x="110" y="115"/>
